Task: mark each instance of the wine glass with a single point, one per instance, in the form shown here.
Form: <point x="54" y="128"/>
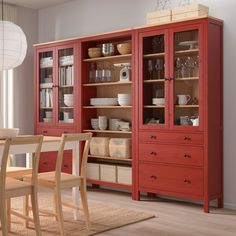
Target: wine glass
<point x="150" y="68"/>
<point x="188" y="66"/>
<point x="178" y="65"/>
<point x="159" y="66"/>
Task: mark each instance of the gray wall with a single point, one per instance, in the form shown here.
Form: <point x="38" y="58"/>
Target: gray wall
<point x="83" y="17"/>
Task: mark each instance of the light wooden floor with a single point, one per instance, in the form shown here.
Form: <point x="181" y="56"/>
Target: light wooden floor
<point x="173" y="218"/>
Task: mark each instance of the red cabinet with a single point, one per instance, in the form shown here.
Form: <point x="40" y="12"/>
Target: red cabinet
<point x="180" y="110"/>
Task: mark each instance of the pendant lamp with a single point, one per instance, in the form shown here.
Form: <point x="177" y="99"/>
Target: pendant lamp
<point x="13" y="45"/>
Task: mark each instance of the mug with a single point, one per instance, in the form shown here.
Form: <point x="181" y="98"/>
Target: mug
<point x="102" y="122"/>
<point x="183" y="99"/>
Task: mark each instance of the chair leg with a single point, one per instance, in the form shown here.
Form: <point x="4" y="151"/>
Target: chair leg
<point x="9" y="214"/>
<point x="55" y="207"/>
<point x="3" y="216"/>
<point x="83" y="193"/>
<point x="26" y="210"/>
<point x="35" y="209"/>
<point x="57" y="193"/>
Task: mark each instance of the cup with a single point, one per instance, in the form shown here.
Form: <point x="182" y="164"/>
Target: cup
<point x="114" y="124"/>
<point x="102" y="122"/>
<point x="183" y="99"/>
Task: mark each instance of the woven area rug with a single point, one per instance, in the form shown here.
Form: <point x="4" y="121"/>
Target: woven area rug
<point x="103" y="218"/>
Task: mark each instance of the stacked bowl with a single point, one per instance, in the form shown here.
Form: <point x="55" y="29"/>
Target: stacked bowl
<point x="68" y="100"/>
<point x="94" y="123"/>
<point x="124" y="99"/>
<point x="94" y="52"/>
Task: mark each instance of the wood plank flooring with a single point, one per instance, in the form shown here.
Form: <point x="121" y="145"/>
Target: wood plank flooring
<point x="173" y="218"/>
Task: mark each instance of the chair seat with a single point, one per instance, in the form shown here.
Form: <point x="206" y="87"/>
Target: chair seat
<point x="47" y="179"/>
<point x="16" y="188"/>
<point x="18" y="172"/>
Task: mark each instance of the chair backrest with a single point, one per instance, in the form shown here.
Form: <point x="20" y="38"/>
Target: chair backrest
<point x="66" y="138"/>
<point x="11" y="144"/>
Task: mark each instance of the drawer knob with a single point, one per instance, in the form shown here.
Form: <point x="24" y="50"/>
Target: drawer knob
<point x="153" y="137"/>
<point x="65" y="166"/>
<point x="45" y="163"/>
<point x="187" y="138"/>
<point x="153" y="177"/>
<point x="187" y="181"/>
<point x="153" y="153"/>
<point x="187" y="155"/>
<point x="45" y="132"/>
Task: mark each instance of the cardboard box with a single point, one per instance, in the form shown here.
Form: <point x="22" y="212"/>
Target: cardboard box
<point x="108" y="173"/>
<point x="189" y="11"/>
<point x="124" y="175"/>
<point x="93" y="171"/>
<point x="156" y="17"/>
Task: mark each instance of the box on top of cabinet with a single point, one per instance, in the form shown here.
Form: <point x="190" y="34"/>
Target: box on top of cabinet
<point x="156" y="17"/>
<point x="189" y="11"/>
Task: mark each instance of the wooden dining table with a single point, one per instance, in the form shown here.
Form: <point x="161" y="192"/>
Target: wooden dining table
<point x="50" y="144"/>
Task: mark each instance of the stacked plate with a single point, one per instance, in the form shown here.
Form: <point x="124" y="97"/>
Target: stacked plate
<point x="124" y="99"/>
<point x="68" y="100"/>
<point x="114" y="124"/>
<point x="103" y="101"/>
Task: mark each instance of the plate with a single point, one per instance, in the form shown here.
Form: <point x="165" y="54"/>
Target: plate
<point x="191" y="44"/>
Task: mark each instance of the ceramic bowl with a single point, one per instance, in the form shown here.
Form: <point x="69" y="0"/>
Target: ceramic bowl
<point x="158" y="101"/>
<point x="124" y="48"/>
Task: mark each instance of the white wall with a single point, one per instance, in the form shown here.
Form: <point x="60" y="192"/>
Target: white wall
<point x="83" y="17"/>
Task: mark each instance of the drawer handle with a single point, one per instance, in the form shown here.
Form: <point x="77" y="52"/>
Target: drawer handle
<point x="45" y="132"/>
<point x="65" y="132"/>
<point x="65" y="166"/>
<point x="187" y="155"/>
<point x="187" y="181"/>
<point x="153" y="153"/>
<point x="153" y="177"/>
<point x="45" y="163"/>
<point x="187" y="138"/>
<point x="153" y="137"/>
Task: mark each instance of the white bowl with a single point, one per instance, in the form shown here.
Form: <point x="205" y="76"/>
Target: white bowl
<point x="123" y="96"/>
<point x="68" y="103"/>
<point x="8" y="132"/>
<point x="158" y="101"/>
<point x="47" y="120"/>
<point x="124" y="103"/>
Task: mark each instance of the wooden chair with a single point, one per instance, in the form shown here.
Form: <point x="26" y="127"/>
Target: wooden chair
<point x="10" y="187"/>
<point x="57" y="181"/>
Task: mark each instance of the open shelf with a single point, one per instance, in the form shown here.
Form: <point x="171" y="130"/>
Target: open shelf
<point x="187" y="106"/>
<point x="107" y="107"/>
<point x="111" y="158"/>
<point x="154" y="55"/>
<point x="108" y="131"/>
<point x="109" y="184"/>
<point x="186" y="78"/>
<point x="116" y="57"/>
<point x="154" y="81"/>
<point x="107" y="84"/>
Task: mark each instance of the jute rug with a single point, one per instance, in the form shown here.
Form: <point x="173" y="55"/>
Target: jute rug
<point x="103" y="218"/>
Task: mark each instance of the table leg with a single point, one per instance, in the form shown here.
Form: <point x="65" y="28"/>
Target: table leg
<point x="75" y="171"/>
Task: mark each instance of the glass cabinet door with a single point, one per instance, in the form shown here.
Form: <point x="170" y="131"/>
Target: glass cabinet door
<point x="186" y="78"/>
<point x="45" y="87"/>
<point x="65" y="84"/>
<point x="154" y="102"/>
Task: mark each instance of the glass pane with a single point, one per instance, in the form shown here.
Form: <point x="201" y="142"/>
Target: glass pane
<point x="153" y="80"/>
<point x="186" y="86"/>
<point x="46" y="87"/>
<point x="66" y="83"/>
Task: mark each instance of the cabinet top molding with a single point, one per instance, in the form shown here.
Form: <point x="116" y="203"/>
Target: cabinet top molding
<point x="126" y="29"/>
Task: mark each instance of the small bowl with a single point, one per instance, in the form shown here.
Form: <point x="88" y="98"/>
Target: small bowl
<point x="8" y="132"/>
<point x="69" y="103"/>
<point x="124" y="48"/>
<point x="158" y="101"/>
<point x="94" y="52"/>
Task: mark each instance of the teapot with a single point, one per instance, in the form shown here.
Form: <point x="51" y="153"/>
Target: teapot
<point x="195" y="121"/>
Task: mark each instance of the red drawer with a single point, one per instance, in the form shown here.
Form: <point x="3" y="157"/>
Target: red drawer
<point x="175" y="154"/>
<point x="181" y="138"/>
<point x="47" y="161"/>
<point x="67" y="164"/>
<point x="171" y="178"/>
<point x="54" y="132"/>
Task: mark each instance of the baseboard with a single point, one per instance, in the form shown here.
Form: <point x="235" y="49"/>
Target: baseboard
<point x="231" y="206"/>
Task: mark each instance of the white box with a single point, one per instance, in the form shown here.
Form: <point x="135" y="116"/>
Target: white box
<point x="120" y="147"/>
<point x="124" y="175"/>
<point x="108" y="173"/>
<point x="99" y="146"/>
<point x="93" y="171"/>
<point x="162" y="16"/>
<point x="189" y="11"/>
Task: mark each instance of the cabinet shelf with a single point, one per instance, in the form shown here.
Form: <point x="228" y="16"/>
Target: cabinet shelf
<point x="116" y="57"/>
<point x="186" y="52"/>
<point x="46" y="107"/>
<point x="66" y="108"/>
<point x="66" y="86"/>
<point x="154" y="81"/>
<point x="154" y="55"/>
<point x="186" y="78"/>
<point x="108" y="131"/>
<point x="187" y="106"/>
<point x="154" y="106"/>
<point x="111" y="158"/>
<point x="107" y="84"/>
<point x="66" y="65"/>
<point x="109" y="184"/>
<point x="107" y="107"/>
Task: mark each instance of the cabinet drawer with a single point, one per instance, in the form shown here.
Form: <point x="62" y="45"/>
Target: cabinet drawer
<point x="172" y="179"/>
<point x="67" y="165"/>
<point x="171" y="154"/>
<point x="181" y="138"/>
<point x="47" y="161"/>
<point x="54" y="132"/>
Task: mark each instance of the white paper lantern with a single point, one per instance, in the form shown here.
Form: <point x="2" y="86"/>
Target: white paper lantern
<point x="13" y="45"/>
